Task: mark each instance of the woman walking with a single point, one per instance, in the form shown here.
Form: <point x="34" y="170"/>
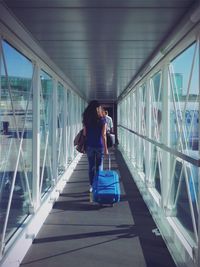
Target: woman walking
<point x="95" y="131"/>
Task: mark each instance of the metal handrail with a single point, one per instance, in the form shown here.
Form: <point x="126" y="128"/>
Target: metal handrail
<point x="172" y="151"/>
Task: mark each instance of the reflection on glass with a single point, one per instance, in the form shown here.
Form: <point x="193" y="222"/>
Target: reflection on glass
<point x="15" y="138"/>
<point x="69" y="126"/>
<point x="133" y="126"/>
<point x="128" y="134"/>
<point x="46" y="126"/>
<point x="143" y="123"/>
<point x="156" y="107"/>
<point x="185" y="191"/>
<point x="184" y="115"/>
<point x="156" y="163"/>
<point x="184" y="133"/>
<point x="143" y="159"/>
<point x="156" y="127"/>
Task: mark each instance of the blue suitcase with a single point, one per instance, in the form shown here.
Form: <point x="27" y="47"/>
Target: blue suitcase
<point x="106" y="188"/>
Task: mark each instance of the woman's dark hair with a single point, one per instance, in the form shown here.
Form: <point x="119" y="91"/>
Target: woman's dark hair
<point x="90" y="115"/>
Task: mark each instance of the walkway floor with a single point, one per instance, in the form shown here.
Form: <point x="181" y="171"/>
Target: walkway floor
<point x="79" y="233"/>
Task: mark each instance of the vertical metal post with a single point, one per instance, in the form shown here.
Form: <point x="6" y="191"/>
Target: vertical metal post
<point x="76" y="114"/>
<point x="138" y="127"/>
<point x="128" y="126"/>
<point x="129" y="115"/>
<point x="74" y="122"/>
<point x="0" y="65"/>
<point x="124" y="123"/>
<point x="118" y="122"/>
<point x="71" y="123"/>
<point x="135" y="124"/>
<point x="65" y="133"/>
<point x="132" y="147"/>
<point x="148" y="133"/>
<point x="165" y="183"/>
<point x="1" y="241"/>
<point x="68" y="125"/>
<point x="198" y="256"/>
<point x="36" y="137"/>
<point x="54" y="130"/>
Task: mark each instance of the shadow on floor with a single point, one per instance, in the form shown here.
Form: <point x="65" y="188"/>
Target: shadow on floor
<point x="154" y="249"/>
<point x="127" y="234"/>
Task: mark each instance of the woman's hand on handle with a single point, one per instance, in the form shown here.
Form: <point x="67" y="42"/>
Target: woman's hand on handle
<point x="105" y="151"/>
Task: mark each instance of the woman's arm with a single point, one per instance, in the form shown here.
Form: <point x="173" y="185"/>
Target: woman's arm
<point x="104" y="139"/>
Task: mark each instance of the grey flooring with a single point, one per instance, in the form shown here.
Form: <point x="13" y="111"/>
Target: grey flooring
<point x="80" y="233"/>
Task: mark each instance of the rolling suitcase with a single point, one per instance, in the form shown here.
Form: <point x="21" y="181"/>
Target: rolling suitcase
<point x="106" y="188"/>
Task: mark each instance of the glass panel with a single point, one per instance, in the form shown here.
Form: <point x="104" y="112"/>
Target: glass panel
<point x="133" y="126"/>
<point x="185" y="191"/>
<point x="156" y="166"/>
<point x="156" y="106"/>
<point x="128" y="125"/>
<point x="75" y="119"/>
<point x="15" y="138"/>
<point x="143" y="104"/>
<point x="60" y="130"/>
<point x="122" y="122"/>
<point x="143" y="124"/>
<point x="193" y="180"/>
<point x="184" y="116"/>
<point x="46" y="127"/>
<point x="156" y="113"/>
<point x="69" y="125"/>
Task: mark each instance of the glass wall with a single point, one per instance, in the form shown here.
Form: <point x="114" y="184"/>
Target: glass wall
<point x="164" y="131"/>
<point x="16" y="132"/>
<point x="24" y="125"/>
<point x="184" y="135"/>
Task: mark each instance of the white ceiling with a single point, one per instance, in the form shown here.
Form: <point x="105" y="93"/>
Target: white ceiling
<point x="100" y="44"/>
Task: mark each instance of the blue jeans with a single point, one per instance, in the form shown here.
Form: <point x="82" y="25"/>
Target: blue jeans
<point x="94" y="155"/>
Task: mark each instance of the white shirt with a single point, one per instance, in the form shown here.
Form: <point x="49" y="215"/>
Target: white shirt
<point x="109" y="123"/>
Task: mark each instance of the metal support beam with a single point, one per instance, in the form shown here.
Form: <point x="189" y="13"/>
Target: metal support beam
<point x="36" y="137"/>
<point x="198" y="245"/>
<point x="148" y="134"/>
<point x="138" y="129"/>
<point x="65" y="127"/>
<point x="165" y="182"/>
<point x="54" y="131"/>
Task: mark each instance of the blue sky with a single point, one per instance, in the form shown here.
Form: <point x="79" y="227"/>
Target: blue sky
<point x="182" y="64"/>
<point x="17" y="64"/>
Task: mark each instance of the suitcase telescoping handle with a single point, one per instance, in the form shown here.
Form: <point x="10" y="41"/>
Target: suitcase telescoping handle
<point x="109" y="162"/>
